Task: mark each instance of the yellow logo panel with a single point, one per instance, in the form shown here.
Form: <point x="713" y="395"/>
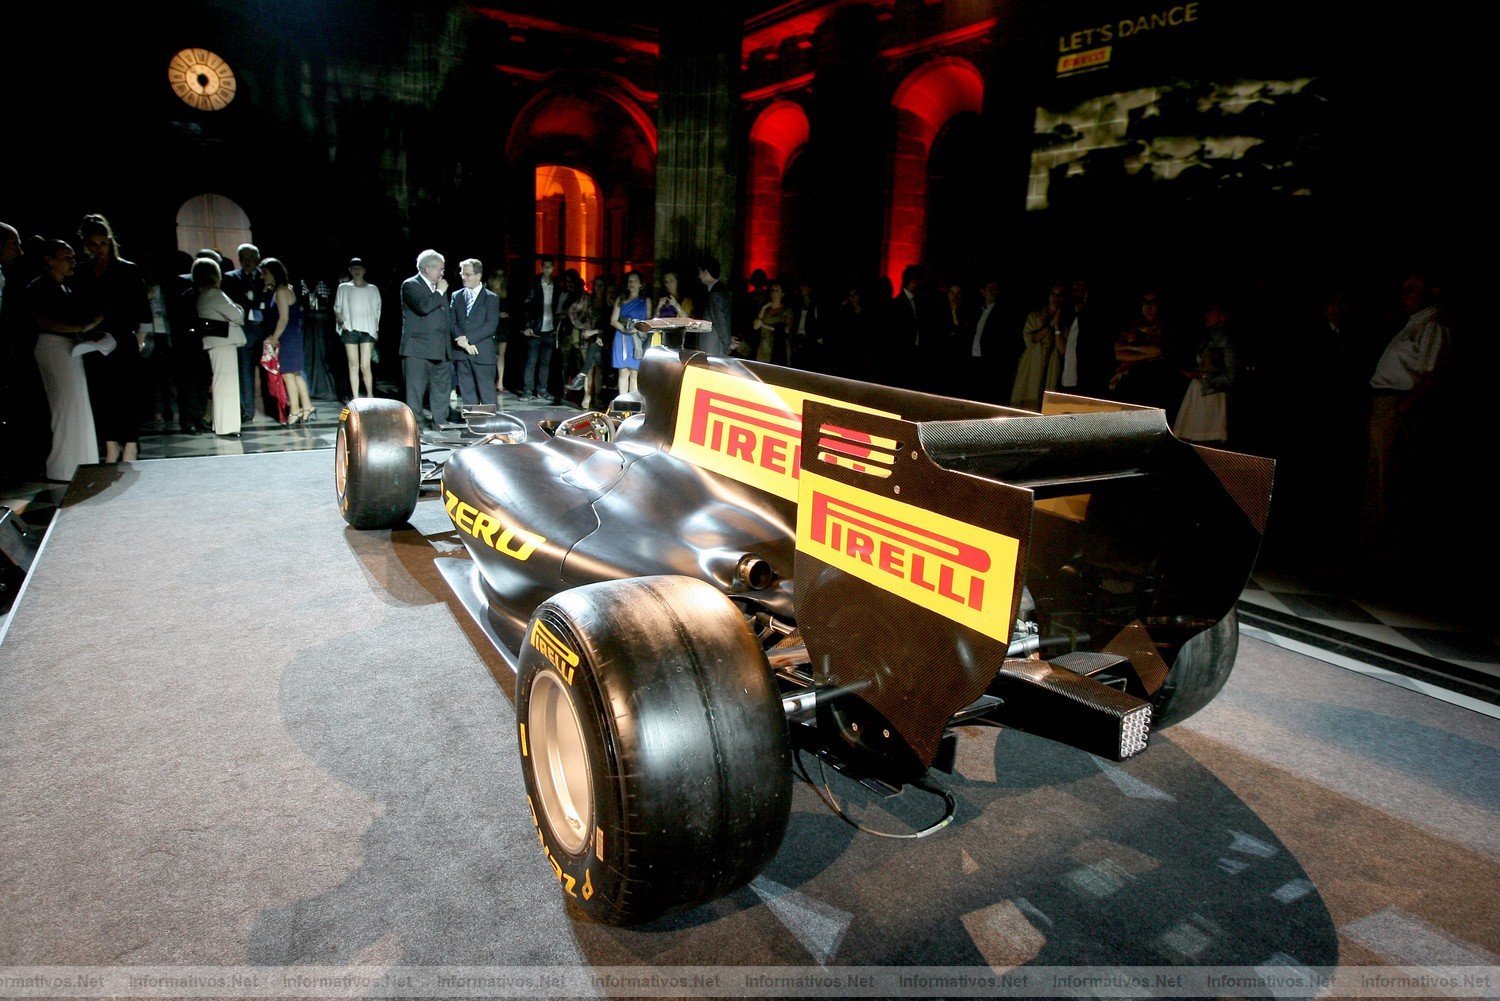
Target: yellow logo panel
<point x="747" y="430"/>
<point x="960" y="571"/>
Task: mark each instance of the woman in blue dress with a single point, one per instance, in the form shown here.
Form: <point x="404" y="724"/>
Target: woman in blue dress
<point x="629" y="308"/>
<point x="284" y="317"/>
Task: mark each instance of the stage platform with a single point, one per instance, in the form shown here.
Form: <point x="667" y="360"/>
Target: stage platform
<point x="239" y="733"/>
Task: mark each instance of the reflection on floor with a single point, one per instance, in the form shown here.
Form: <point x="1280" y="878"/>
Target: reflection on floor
<point x="264" y="434"/>
<point x="1377" y="637"/>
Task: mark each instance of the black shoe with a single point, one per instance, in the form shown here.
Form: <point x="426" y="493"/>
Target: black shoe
<point x="232" y="434"/>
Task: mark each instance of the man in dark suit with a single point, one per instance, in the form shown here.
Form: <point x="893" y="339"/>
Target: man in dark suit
<point x="918" y="333"/>
<point x="986" y="364"/>
<point x="544" y="312"/>
<point x="426" y="337"/>
<point x="475" y="313"/>
<point x="245" y="288"/>
<point x="717" y="311"/>
<point x="1088" y="345"/>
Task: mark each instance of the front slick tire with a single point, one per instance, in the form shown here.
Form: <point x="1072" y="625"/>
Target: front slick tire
<point x="653" y="745"/>
<point x="377" y="463"/>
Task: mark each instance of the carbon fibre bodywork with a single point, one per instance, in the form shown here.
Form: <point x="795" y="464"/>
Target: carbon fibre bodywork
<point x="933" y="559"/>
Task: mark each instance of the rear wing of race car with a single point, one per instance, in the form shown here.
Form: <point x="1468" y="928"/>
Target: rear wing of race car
<point x="1006" y="562"/>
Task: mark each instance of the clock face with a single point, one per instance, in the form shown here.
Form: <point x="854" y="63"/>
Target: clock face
<point x="201" y="79"/>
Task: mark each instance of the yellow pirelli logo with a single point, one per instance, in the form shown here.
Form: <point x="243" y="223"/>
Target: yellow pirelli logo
<point x="508" y="539"/>
<point x="960" y="571"/>
<point x="1077" y="62"/>
<point x="551" y="646"/>
<point x="748" y="430"/>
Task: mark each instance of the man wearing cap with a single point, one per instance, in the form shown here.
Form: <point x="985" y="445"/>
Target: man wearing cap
<point x="356" y="317"/>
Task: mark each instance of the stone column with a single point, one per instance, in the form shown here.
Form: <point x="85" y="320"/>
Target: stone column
<point x="698" y="128"/>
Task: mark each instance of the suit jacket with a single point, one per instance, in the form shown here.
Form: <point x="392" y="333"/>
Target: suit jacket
<point x="993" y="343"/>
<point x="1096" y="350"/>
<point x="246" y="290"/>
<point x="478" y="325"/>
<point x="425" y="327"/>
<point x="534" y="304"/>
<point x="919" y="325"/>
<point x="717" y="313"/>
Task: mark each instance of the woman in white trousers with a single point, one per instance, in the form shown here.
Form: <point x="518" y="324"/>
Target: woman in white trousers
<point x="59" y="330"/>
<point x="223" y="354"/>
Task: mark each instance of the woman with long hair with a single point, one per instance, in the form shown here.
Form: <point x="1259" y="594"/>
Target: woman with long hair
<point x="500" y="285"/>
<point x="772" y="323"/>
<point x="285" y="320"/>
<point x="356" y="315"/>
<point x="1040" y="366"/>
<point x="584" y="316"/>
<point x="115" y="288"/>
<point x="61" y="322"/>
<point x="631" y="307"/>
<point x="670" y="303"/>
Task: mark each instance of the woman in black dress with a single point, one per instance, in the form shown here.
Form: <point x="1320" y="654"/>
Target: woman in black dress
<point x="115" y="288"/>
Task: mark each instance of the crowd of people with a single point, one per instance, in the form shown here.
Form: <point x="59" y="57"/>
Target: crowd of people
<point x="98" y="347"/>
<point x="112" y="346"/>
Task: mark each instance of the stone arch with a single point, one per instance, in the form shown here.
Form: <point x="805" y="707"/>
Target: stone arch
<point x="593" y="125"/>
<point x="778" y="134"/>
<point x="924" y="102"/>
<point x="210" y="220"/>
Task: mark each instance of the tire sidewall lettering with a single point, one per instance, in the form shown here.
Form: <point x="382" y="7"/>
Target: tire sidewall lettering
<point x="574" y="873"/>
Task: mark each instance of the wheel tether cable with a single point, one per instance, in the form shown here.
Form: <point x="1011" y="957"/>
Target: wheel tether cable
<point x="826" y="795"/>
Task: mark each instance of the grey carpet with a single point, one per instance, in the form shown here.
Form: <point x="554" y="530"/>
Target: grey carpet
<point x="237" y="732"/>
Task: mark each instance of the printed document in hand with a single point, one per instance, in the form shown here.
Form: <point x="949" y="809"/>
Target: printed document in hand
<point x="103" y="345"/>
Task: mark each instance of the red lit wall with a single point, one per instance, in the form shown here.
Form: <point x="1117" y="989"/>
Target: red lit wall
<point x="778" y="133"/>
<point x="924" y="103"/>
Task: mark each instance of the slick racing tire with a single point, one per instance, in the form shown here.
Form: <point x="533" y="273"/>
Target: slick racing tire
<point x="377" y="463"/>
<point x="1200" y="671"/>
<point x="653" y="745"/>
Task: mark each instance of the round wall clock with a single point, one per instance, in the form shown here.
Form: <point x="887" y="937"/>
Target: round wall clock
<point x="201" y="79"/>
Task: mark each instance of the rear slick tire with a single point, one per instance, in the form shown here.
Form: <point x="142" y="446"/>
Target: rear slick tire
<point x="377" y="463"/>
<point x="1199" y="672"/>
<point x="653" y="745"/>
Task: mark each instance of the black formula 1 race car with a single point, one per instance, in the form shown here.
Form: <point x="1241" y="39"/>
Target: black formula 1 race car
<point x="766" y="565"/>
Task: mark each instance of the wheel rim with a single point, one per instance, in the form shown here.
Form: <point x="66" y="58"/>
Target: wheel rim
<point x="560" y="763"/>
<point x="341" y="463"/>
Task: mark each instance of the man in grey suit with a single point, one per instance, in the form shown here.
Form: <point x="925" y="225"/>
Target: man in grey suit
<point x="717" y="311"/>
<point x="426" y="337"/>
<point x="475" y="312"/>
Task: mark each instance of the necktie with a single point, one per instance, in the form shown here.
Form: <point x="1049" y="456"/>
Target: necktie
<point x="469" y="308"/>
